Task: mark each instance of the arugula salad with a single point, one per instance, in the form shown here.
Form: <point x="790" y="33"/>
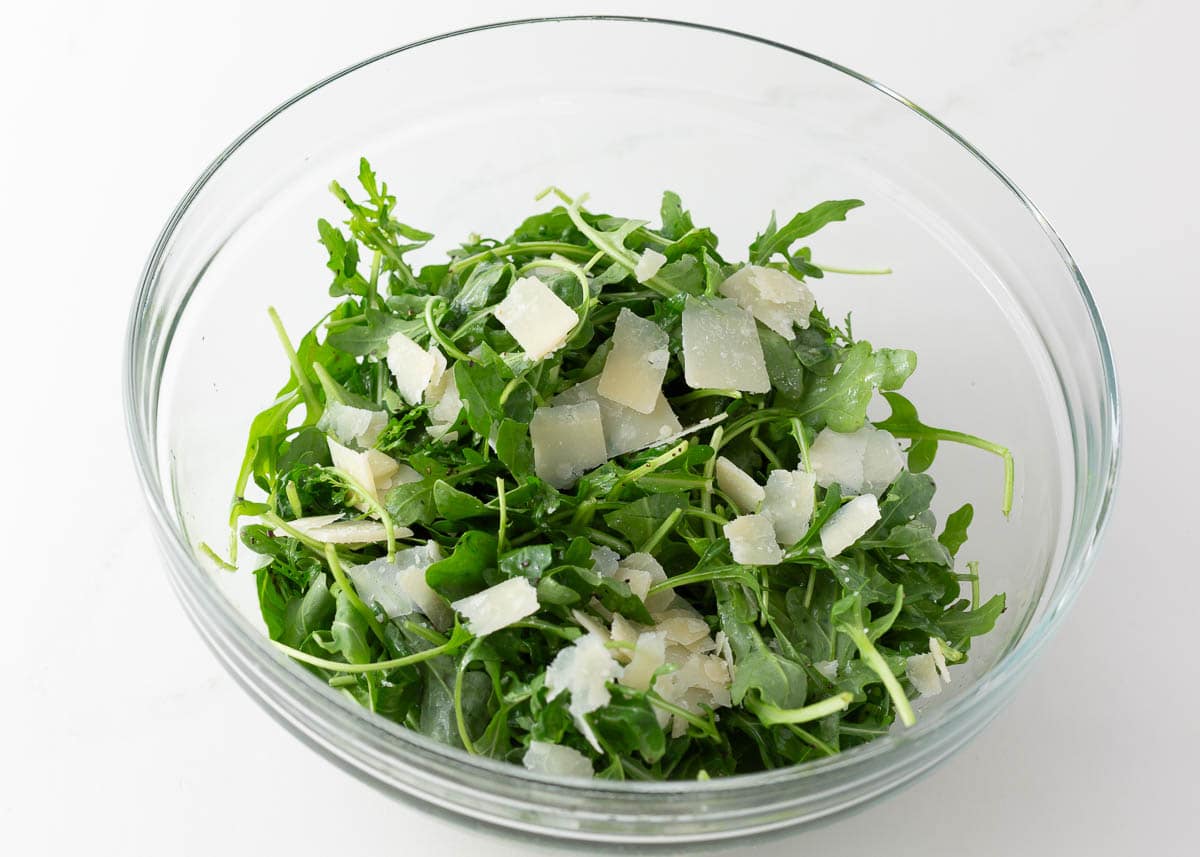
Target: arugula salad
<point x="601" y="500"/>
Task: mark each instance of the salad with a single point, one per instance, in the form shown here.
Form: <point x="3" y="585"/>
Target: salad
<point x="603" y="501"/>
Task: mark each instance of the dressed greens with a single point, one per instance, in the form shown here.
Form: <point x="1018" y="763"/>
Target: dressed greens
<point x="596" y="498"/>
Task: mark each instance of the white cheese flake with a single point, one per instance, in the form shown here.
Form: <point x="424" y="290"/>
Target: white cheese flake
<point x="829" y="669"/>
<point x="649" y="653"/>
<point x="398" y="586"/>
<point x="349" y="424"/>
<point x="556" y="760"/>
<point x="625" y="430"/>
<point x="922" y="672"/>
<point x="357" y="532"/>
<point x="641" y="571"/>
<point x="498" y="606"/>
<point x="848" y="524"/>
<point x="882" y="461"/>
<point x="739" y="485"/>
<point x="939" y="659"/>
<point x="864" y="461"/>
<point x="648" y="264"/>
<point x="788" y="501"/>
<point x="536" y="317"/>
<point x="774" y="297"/>
<point x="635" y="367"/>
<point x="752" y="540"/>
<point x="838" y="457"/>
<point x="605" y="560"/>
<point x="721" y="348"/>
<point x="568" y="441"/>
<point x="413" y="367"/>
<point x="590" y="624"/>
<point x="583" y="669"/>
<point x="372" y="469"/>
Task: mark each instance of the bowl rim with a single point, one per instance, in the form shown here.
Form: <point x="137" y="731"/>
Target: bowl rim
<point x="1089" y="530"/>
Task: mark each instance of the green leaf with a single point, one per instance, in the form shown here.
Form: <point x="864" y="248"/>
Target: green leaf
<point x="783" y="365"/>
<point x="638" y="520"/>
<point x="778" y="240"/>
<point x="675" y="221"/>
<point x="528" y="562"/>
<point x="955" y="532"/>
<point x="455" y="505"/>
<point x="371" y="336"/>
<point x="314" y="611"/>
<point x="411" y="503"/>
<point x="480" y="387"/>
<point x="777" y="680"/>
<point x="350" y="632"/>
<point x="461" y="573"/>
<point x="840" y="400"/>
<point x="627" y="725"/>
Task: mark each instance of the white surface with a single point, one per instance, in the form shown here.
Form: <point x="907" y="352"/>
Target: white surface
<point x="119" y="733"/>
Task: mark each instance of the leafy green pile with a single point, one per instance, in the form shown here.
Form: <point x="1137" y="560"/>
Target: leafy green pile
<point x="818" y="643"/>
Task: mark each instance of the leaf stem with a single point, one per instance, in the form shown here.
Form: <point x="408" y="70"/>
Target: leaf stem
<point x="879" y="666"/>
<point x="306" y="389"/>
<point x="772" y="715"/>
<point x="339" y="574"/>
<point x="441" y="338"/>
<point x="865" y="272"/>
<point x="521" y="248"/>
<point x="661" y="533"/>
<point x="503" y="503"/>
<point x="377" y="666"/>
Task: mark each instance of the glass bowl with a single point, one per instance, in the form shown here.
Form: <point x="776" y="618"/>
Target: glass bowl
<point x="467" y="128"/>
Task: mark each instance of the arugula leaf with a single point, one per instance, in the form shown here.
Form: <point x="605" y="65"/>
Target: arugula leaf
<point x="775" y="240"/>
<point x="461" y="573"/>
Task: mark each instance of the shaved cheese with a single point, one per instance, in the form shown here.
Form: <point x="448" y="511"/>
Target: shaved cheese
<point x="648" y="655"/>
<point x="752" y="540"/>
<point x="371" y="469"/>
<point x="848" y="524"/>
<point x="939" y="659"/>
<point x="641" y="571"/>
<point x="838" y="457"/>
<point x="788" y="501"/>
<point x="556" y="760"/>
<point x="692" y="429"/>
<point x="345" y="532"/>
<point x="882" y="461"/>
<point x="590" y="625"/>
<point x="774" y="297"/>
<point x="536" y="317"/>
<point x="739" y="485"/>
<point x="625" y="430"/>
<point x="605" y="560"/>
<point x="568" y="440"/>
<point x="700" y="681"/>
<point x="648" y="264"/>
<point x="498" y="606"/>
<point x="634" y="370"/>
<point x="623" y="631"/>
<point x="865" y="461"/>
<point x="583" y="669"/>
<point x="398" y="586"/>
<point x="412" y="366"/>
<point x="922" y="672"/>
<point x="829" y="669"/>
<point x="685" y="628"/>
<point x="721" y="348"/>
<point x="447" y="406"/>
<point x="352" y="425"/>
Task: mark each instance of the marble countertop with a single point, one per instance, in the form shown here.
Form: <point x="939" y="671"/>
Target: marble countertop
<point x="119" y="732"/>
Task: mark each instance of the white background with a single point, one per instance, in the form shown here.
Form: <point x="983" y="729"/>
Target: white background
<point x="119" y="733"/>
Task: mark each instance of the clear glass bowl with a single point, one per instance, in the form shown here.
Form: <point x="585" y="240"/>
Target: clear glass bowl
<point x="467" y="128"/>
